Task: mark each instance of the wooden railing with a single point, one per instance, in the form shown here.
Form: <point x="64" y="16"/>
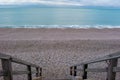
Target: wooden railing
<point x="7" y="72"/>
<point x="111" y="69"/>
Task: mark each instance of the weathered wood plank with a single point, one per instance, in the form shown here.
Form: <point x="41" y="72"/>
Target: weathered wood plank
<point x="96" y="70"/>
<point x="37" y="78"/>
<point x="116" y="69"/>
<point x="20" y="72"/>
<point x="3" y="73"/>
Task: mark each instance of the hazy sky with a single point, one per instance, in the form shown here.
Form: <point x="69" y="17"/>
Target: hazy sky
<point x="66" y="2"/>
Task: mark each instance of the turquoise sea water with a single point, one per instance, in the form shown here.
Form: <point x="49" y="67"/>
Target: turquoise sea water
<point x="35" y="17"/>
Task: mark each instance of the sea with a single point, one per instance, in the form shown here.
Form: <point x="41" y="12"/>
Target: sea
<point x="59" y="17"/>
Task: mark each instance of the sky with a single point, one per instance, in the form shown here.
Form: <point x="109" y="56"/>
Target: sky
<point x="114" y="3"/>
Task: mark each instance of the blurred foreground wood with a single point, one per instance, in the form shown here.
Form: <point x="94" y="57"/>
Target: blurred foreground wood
<point x="111" y="69"/>
<point x="37" y="78"/>
<point x="8" y="73"/>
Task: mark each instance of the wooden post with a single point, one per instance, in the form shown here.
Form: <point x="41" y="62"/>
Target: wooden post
<point x="71" y="71"/>
<point x="37" y="74"/>
<point x="85" y="66"/>
<point x="7" y="67"/>
<point x="110" y="74"/>
<point x="30" y="72"/>
<point x="75" y="72"/>
<point x="40" y="71"/>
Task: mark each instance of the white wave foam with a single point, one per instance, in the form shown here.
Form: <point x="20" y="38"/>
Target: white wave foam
<point x="59" y="26"/>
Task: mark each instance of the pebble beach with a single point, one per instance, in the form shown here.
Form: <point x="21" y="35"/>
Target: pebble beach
<point x="55" y="50"/>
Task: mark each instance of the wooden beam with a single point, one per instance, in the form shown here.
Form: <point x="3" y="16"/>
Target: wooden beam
<point x="107" y="57"/>
<point x="96" y="70"/>
<point x="5" y="56"/>
<point x="20" y="72"/>
<point x="23" y="62"/>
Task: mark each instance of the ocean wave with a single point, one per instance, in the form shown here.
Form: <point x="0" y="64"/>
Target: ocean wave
<point x="59" y="26"/>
